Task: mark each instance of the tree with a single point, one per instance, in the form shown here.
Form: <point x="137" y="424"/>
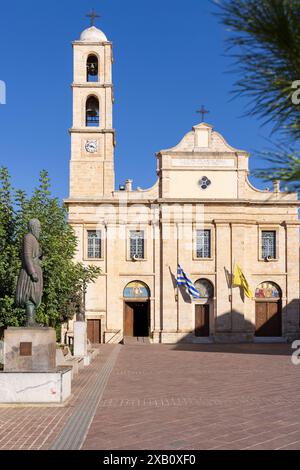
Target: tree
<point x="9" y="253"/>
<point x="63" y="278"/>
<point x="264" y="40"/>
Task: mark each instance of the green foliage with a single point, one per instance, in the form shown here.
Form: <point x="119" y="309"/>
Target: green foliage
<point x="284" y="165"/>
<point x="264" y="40"/>
<point x="63" y="278"/>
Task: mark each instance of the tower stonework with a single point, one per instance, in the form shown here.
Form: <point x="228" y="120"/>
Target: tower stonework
<point x="92" y="147"/>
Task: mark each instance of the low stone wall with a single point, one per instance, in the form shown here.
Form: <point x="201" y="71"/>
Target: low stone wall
<point x="35" y="387"/>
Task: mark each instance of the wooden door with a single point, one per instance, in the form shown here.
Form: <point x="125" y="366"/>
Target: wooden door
<point x="94" y="331"/>
<point x="128" y="319"/>
<point x="268" y="319"/>
<point x="202" y="320"/>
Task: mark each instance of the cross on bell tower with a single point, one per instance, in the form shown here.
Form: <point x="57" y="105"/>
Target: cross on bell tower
<point x="92" y="15"/>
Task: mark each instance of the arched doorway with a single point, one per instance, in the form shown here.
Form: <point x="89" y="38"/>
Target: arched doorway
<point x="268" y="310"/>
<point x="202" y="310"/>
<point x="136" y="309"/>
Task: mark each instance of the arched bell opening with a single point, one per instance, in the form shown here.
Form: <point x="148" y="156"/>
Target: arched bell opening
<point x="92" y="68"/>
<point x="92" y="112"/>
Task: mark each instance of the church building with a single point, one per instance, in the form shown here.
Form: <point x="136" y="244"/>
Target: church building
<point x="202" y="213"/>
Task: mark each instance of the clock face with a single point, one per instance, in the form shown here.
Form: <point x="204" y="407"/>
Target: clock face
<point x="91" y="146"/>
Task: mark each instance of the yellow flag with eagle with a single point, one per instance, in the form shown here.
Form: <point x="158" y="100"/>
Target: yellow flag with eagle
<point x="240" y="280"/>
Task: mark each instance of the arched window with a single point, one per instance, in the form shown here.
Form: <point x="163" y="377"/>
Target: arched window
<point x="268" y="290"/>
<point x="136" y="290"/>
<point x="205" y="288"/>
<point x="92" y="69"/>
<point x="92" y="112"/>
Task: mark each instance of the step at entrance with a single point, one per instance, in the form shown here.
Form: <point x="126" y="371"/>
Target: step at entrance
<point x="136" y="340"/>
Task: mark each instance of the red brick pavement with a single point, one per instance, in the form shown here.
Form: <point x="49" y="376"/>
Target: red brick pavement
<point x="177" y="397"/>
<point x="28" y="427"/>
<point x="200" y="397"/>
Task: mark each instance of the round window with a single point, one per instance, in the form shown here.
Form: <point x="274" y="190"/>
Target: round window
<point x="204" y="183"/>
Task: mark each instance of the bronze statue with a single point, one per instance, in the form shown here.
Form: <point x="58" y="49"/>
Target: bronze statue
<point x="30" y="283"/>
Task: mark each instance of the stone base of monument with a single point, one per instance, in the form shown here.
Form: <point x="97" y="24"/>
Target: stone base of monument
<point x="29" y="349"/>
<point x="30" y="373"/>
<point x="35" y="387"/>
<point x="80" y="341"/>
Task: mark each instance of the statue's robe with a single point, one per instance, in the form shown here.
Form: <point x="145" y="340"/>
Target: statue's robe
<point x="27" y="290"/>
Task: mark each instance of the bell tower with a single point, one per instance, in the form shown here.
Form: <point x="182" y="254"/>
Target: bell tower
<point x="92" y="133"/>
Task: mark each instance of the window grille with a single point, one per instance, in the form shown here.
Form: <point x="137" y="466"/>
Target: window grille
<point x="94" y="244"/>
<point x="269" y="244"/>
<point x="203" y="248"/>
<point x="137" y="244"/>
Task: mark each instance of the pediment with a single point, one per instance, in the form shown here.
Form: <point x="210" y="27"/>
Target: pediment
<point x="202" y="139"/>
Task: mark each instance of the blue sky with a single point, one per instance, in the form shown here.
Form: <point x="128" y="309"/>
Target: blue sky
<point x="169" y="59"/>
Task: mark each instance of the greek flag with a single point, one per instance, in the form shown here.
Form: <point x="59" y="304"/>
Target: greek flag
<point x="183" y="280"/>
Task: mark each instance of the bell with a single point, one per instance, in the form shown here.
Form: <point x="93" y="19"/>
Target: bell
<point x="92" y="109"/>
<point x="92" y="69"/>
<point x="91" y="112"/>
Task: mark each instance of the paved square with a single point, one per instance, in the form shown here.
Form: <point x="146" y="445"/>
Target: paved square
<point x="171" y="397"/>
<point x="200" y="397"/>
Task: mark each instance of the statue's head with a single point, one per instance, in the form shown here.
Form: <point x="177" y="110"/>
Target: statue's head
<point x="34" y="227"/>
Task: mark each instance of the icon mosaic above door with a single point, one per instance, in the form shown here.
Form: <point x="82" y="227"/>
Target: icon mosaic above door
<point x="136" y="290"/>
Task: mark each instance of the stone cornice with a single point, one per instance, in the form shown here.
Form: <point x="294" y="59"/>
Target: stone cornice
<point x="203" y="153"/>
<point x="91" y="85"/>
<point x="231" y="202"/>
<point x="291" y="223"/>
<point x="93" y="43"/>
<point x="208" y="202"/>
<point x="254" y="222"/>
<point x="90" y="130"/>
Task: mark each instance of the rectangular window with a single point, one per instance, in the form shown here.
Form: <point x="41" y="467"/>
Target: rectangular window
<point x="94" y="243"/>
<point x="137" y="244"/>
<point x="203" y="244"/>
<point x="268" y="248"/>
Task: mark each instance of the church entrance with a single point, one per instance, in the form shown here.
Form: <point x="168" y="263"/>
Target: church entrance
<point x="268" y="311"/>
<point x="203" y="310"/>
<point x="136" y="309"/>
<point x="202" y="320"/>
<point x="136" y="321"/>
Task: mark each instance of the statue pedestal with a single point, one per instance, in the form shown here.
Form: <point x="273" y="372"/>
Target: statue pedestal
<point x="29" y="349"/>
<point x="30" y="374"/>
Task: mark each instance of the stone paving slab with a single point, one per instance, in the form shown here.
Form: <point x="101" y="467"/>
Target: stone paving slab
<point x="199" y="397"/>
<point x="37" y="427"/>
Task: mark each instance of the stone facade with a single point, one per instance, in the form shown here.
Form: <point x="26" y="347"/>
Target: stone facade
<point x="169" y="215"/>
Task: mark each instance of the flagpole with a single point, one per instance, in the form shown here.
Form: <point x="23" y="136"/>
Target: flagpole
<point x="177" y="234"/>
<point x="232" y="277"/>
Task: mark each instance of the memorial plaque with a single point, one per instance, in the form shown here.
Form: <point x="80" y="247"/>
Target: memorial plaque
<point x="25" y="349"/>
